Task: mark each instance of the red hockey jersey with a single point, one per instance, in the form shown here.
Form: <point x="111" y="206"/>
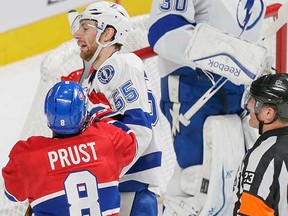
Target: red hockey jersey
<point x="72" y="176"/>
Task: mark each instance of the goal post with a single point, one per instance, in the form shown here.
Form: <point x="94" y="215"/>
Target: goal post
<point x="280" y="41"/>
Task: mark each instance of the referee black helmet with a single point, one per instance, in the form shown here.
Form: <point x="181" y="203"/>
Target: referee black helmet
<point x="271" y="89"/>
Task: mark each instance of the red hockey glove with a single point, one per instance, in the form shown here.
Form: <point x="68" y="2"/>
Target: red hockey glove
<point x="75" y="75"/>
<point x="101" y="107"/>
<point x="99" y="99"/>
<point x="102" y="113"/>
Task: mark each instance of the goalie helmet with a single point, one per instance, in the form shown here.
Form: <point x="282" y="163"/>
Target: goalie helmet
<point x="109" y="14"/>
<point x="66" y="108"/>
<point x="271" y="89"/>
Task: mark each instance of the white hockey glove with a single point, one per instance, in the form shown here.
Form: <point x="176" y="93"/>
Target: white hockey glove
<point x="238" y="60"/>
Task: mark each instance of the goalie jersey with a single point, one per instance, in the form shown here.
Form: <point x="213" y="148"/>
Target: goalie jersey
<point x="171" y="25"/>
<point x="123" y="81"/>
<point x="176" y="19"/>
<point x="78" y="175"/>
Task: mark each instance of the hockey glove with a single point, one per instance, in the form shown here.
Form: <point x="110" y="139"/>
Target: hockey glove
<point x="73" y="76"/>
<point x="101" y="107"/>
<point x="239" y="60"/>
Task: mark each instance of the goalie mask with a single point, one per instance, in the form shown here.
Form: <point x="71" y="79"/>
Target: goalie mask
<point x="66" y="108"/>
<point x="271" y="89"/>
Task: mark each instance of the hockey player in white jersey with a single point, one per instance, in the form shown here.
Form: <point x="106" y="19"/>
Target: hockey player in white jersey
<point x="189" y="35"/>
<point x="100" y="30"/>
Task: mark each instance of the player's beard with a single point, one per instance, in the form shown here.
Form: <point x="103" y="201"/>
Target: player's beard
<point x="89" y="52"/>
<point x="87" y="55"/>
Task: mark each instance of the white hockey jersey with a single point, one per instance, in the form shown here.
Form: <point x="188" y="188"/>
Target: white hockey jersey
<point x="122" y="79"/>
<point x="176" y="19"/>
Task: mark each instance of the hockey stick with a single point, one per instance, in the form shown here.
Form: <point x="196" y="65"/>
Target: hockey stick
<point x="86" y="69"/>
<point x="270" y="31"/>
<point x="29" y="211"/>
<point x="185" y="119"/>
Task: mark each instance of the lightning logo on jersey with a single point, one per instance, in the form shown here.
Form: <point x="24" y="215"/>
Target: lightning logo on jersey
<point x="105" y="74"/>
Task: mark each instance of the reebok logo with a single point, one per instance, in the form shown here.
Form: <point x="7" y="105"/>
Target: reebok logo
<point x="222" y="67"/>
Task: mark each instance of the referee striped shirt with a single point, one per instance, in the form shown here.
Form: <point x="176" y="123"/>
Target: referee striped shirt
<point x="261" y="186"/>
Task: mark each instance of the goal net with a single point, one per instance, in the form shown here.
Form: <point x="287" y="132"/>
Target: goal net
<point x="63" y="60"/>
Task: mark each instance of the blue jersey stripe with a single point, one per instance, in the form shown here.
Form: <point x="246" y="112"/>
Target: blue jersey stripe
<point x="146" y="162"/>
<point x="132" y="185"/>
<point x="137" y="117"/>
<point x="60" y="206"/>
<point x="10" y="197"/>
<point x="164" y="25"/>
<point x="120" y="125"/>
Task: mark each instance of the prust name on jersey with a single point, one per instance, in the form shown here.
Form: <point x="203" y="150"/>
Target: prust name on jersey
<point x="72" y="155"/>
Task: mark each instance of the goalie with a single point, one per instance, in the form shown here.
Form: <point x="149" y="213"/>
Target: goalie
<point x="187" y="36"/>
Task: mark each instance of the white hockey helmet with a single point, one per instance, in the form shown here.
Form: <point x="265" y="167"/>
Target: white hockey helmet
<point x="109" y="14"/>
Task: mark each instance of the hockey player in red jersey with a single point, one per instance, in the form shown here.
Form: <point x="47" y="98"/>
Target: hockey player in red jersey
<point x="76" y="171"/>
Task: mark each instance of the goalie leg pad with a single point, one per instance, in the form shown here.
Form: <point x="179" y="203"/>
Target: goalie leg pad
<point x="224" y="135"/>
<point x="239" y="60"/>
<point x="209" y="186"/>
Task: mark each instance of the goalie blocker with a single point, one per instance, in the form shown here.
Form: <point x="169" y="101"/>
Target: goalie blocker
<point x="238" y="60"/>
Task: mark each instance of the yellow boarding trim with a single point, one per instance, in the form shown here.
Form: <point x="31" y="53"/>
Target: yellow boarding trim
<point x="32" y="39"/>
<point x="136" y="7"/>
<point x="46" y="34"/>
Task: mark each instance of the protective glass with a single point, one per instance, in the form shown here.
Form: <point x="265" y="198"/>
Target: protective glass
<point x="75" y="25"/>
<point x="80" y="27"/>
<point x="258" y="105"/>
<point x="246" y="98"/>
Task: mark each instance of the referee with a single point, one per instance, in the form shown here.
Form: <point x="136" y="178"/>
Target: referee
<point x="262" y="181"/>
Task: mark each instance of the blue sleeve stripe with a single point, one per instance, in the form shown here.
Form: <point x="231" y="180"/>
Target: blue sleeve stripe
<point x="10" y="197"/>
<point x="164" y="25"/>
<point x="137" y="117"/>
<point x="132" y="185"/>
<point x="146" y="162"/>
<point x="120" y="125"/>
<point x="105" y="194"/>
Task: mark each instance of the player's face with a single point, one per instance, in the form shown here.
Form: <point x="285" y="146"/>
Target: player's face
<point x="86" y="39"/>
<point x="256" y="106"/>
<point x="253" y="119"/>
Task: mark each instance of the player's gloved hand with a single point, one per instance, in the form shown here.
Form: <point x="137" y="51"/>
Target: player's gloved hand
<point x="99" y="100"/>
<point x="101" y="107"/>
<point x="98" y="113"/>
<point x="73" y="76"/>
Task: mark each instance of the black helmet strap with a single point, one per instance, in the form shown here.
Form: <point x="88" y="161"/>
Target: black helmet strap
<point x="261" y="123"/>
